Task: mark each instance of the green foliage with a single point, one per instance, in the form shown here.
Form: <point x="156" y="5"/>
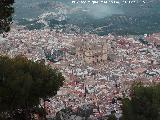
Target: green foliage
<point x="24" y="82"/>
<point x="112" y="117"/>
<point x="6" y="11"/>
<point x="144" y="103"/>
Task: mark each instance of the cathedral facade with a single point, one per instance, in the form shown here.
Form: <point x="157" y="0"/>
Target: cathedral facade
<point x="92" y="52"/>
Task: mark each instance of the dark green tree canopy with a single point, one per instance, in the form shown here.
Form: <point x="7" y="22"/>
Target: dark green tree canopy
<point x="112" y="117"/>
<point x="6" y="11"/>
<point x="23" y="82"/>
<point x="144" y="103"/>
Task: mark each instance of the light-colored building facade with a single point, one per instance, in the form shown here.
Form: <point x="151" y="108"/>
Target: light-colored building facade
<point x="92" y="52"/>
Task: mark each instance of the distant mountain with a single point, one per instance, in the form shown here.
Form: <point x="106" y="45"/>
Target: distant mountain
<point x="138" y="18"/>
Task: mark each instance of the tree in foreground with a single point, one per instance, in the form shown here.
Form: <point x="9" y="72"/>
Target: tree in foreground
<point x="112" y="117"/>
<point x="22" y="84"/>
<point x="6" y="11"/>
<point x="144" y="103"/>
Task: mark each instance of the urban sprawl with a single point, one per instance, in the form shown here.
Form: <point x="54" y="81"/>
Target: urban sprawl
<point x="98" y="70"/>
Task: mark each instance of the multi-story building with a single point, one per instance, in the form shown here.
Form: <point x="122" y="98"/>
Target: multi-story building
<point x="92" y="52"/>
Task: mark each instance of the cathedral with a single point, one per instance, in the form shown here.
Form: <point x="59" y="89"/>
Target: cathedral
<point x="92" y="52"/>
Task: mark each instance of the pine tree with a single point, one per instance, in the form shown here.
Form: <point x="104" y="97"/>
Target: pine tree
<point x="6" y="11"/>
<point x="23" y="83"/>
